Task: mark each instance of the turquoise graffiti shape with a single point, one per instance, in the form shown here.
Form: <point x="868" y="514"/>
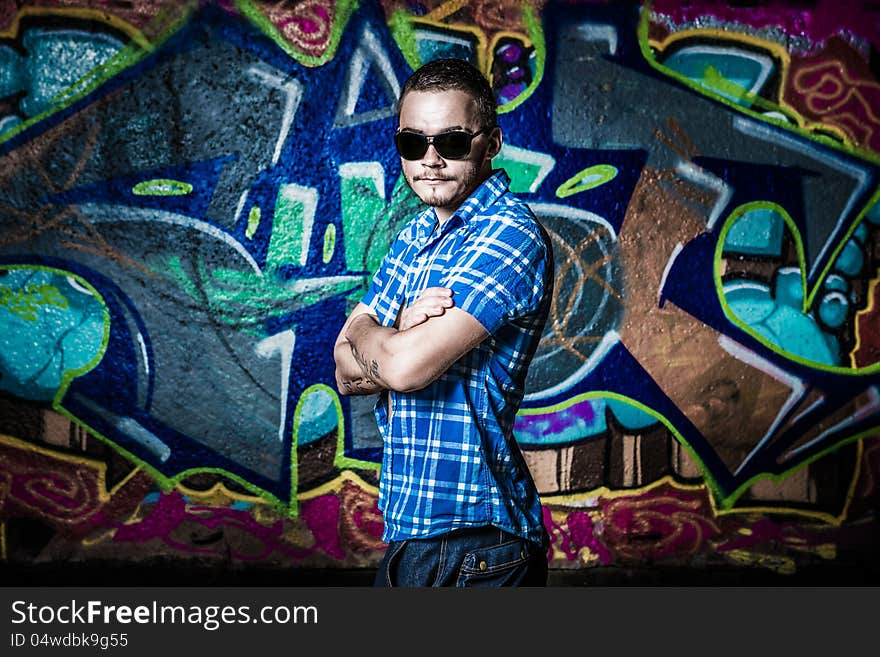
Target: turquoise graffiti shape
<point x="53" y="327"/>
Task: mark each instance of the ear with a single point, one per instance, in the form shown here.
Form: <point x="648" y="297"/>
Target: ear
<point x="496" y="139"/>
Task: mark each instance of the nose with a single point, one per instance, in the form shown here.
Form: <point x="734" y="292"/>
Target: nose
<point x="432" y="157"/>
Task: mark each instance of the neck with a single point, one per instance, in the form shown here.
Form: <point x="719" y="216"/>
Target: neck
<point x="443" y="215"/>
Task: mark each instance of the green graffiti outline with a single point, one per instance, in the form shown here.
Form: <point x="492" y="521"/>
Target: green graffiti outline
<point x="724" y="502"/>
<point x="166" y="484"/>
<point x="127" y="57"/>
<point x="404" y="35"/>
<point x="162" y="187"/>
<point x="343" y="12"/>
<point x="760" y="101"/>
<point x="574" y="185"/>
<point x="808" y="301"/>
<point x="535" y="32"/>
<point x="253" y="221"/>
<point x="402" y="31"/>
<point x="69" y="375"/>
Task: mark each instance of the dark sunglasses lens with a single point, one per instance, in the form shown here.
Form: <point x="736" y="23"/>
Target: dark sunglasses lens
<point x="410" y="146"/>
<point x="453" y="145"/>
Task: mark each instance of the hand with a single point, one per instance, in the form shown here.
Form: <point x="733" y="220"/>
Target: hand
<point x="431" y="303"/>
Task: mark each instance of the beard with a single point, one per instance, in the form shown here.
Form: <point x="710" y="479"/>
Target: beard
<point x="453" y="193"/>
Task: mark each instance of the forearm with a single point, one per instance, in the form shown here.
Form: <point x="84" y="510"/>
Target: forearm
<point x="350" y="379"/>
<point x="369" y="356"/>
<point x="409" y="360"/>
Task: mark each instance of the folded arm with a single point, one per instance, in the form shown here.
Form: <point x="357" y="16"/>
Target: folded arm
<point x="350" y="377"/>
<point x="402" y="360"/>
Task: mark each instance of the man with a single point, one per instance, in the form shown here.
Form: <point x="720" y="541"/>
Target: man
<point x="445" y="334"/>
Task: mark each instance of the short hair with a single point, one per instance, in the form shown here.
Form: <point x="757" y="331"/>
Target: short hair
<point x="450" y="73"/>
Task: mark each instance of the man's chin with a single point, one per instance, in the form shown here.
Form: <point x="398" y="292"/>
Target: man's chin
<point x="435" y="200"/>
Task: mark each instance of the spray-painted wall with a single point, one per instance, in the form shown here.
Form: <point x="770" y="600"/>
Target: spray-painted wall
<point x="192" y="197"/>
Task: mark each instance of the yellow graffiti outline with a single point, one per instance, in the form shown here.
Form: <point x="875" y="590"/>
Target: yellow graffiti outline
<point x="446" y="9"/>
<point x="803" y="128"/>
<point x="811" y="127"/>
<point x="508" y="34"/>
<point x="777" y="50"/>
<point x="872" y="291"/>
<point x="335" y="485"/>
<point x="128" y="56"/>
<point x="478" y="33"/>
<point x="404" y="25"/>
<point x="590" y="499"/>
<point x="721" y="504"/>
<point x="216" y="492"/>
<point x="98" y="466"/>
<point x="104" y="493"/>
<point x="167" y="484"/>
<point x="852" y="92"/>
<point x="96" y="15"/>
<point x="332" y="486"/>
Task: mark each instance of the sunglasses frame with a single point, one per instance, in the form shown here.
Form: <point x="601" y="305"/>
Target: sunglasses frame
<point x="428" y="140"/>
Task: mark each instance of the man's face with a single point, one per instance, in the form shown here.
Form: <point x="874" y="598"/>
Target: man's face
<point x="442" y="183"/>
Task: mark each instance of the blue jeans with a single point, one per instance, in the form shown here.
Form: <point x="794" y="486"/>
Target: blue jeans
<point x="480" y="556"/>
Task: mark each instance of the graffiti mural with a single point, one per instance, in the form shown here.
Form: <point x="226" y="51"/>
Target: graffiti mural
<point x="194" y="195"/>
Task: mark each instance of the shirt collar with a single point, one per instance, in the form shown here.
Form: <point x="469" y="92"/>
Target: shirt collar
<point x="483" y="196"/>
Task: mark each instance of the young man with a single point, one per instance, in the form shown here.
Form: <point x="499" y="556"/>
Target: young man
<point x="446" y="333"/>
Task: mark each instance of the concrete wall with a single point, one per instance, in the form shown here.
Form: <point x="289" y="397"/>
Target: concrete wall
<point x="192" y="196"/>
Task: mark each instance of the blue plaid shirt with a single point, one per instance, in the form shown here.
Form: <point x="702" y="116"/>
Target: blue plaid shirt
<point x="449" y="459"/>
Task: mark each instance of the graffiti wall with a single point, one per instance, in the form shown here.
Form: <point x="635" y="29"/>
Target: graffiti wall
<point x="194" y="194"/>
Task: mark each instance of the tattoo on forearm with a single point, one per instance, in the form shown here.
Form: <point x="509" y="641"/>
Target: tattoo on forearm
<point x="359" y="384"/>
<point x="369" y="368"/>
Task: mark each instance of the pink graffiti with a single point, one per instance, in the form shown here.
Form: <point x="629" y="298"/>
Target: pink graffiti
<point x="817" y="20"/>
<point x="308" y="26"/>
<point x="768" y="533"/>
<point x="556" y="422"/>
<point x="321" y="516"/>
<point x="172" y="512"/>
<point x="578" y="533"/>
<point x="660" y="523"/>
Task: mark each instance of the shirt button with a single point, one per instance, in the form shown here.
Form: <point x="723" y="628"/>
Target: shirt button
<point x="483" y="565"/>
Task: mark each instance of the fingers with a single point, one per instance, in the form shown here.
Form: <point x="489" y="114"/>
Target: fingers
<point x="412" y="318"/>
<point x="433" y="302"/>
<point x="435" y="296"/>
<point x="418" y="315"/>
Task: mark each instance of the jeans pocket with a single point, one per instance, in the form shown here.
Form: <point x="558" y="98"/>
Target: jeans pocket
<point x="506" y="564"/>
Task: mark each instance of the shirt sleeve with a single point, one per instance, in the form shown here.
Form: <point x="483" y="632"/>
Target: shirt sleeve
<point x="499" y="274"/>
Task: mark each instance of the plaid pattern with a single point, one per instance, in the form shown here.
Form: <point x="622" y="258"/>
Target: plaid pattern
<point x="449" y="457"/>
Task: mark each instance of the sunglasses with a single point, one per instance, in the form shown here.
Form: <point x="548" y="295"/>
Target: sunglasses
<point x="450" y="145"/>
